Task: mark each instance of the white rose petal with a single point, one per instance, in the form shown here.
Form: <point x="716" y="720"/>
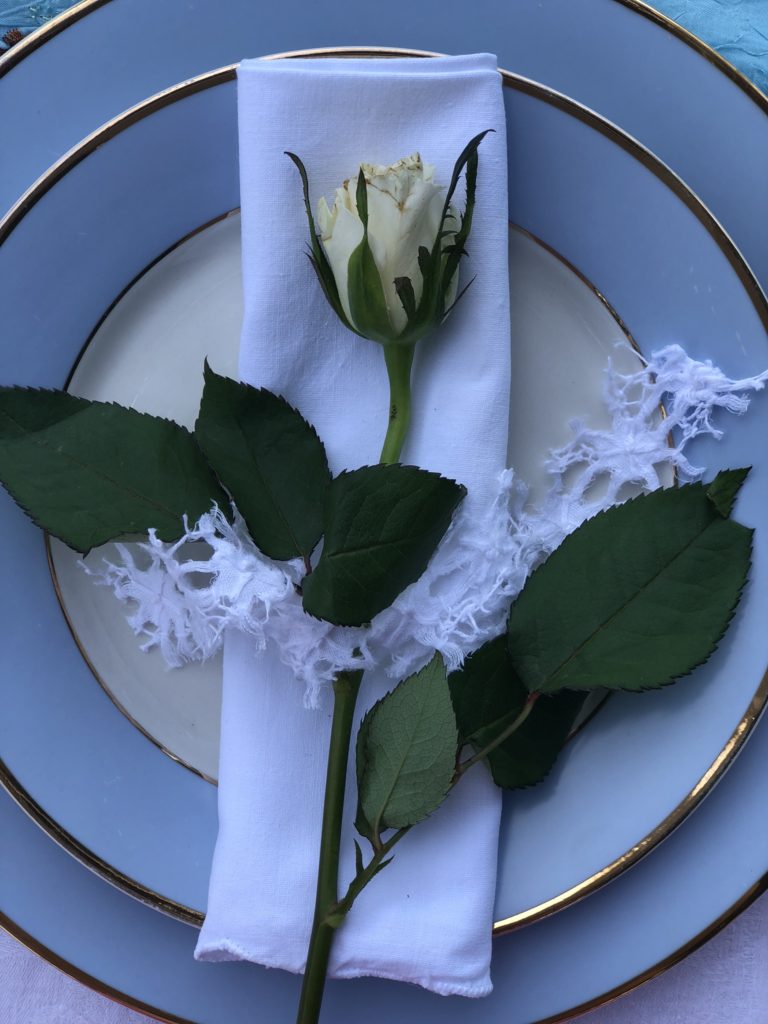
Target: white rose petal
<point x="346" y="233"/>
<point x="405" y="207"/>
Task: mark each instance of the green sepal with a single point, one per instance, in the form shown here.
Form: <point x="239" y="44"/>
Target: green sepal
<point x="466" y="154"/>
<point x="331" y="296"/>
<point x="424" y="260"/>
<point x="407" y="296"/>
<point x="317" y="256"/>
<point x="439" y="264"/>
<point x="361" y="198"/>
<point x="452" y="253"/>
<point x="458" y="299"/>
<point x="367" y="300"/>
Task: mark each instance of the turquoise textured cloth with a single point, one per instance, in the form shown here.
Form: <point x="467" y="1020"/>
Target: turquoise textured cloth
<point x="18" y="18"/>
<point x="737" y="29"/>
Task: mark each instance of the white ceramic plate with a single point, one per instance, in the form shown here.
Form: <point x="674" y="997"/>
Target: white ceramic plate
<point x="194" y="295"/>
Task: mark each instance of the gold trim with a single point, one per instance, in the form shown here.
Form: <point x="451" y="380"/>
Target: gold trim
<point x="211" y="79"/>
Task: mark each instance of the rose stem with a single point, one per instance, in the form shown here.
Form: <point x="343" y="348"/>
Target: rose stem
<point x="399" y="359"/>
<point x="345" y="690"/>
<point x="330" y="911"/>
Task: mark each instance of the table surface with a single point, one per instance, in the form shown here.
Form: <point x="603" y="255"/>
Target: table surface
<point x="724" y="982"/>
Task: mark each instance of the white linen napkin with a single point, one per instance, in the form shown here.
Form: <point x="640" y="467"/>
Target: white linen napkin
<point x="427" y="917"/>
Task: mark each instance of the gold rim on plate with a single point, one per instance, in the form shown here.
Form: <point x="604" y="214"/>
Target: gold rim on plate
<point x="69" y="160"/>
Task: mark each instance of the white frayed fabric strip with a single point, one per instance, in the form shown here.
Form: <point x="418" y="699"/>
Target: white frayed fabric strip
<point x="183" y="604"/>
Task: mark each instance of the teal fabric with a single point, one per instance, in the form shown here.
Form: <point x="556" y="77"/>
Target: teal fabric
<point x="16" y="14"/>
<point x="737" y="29"/>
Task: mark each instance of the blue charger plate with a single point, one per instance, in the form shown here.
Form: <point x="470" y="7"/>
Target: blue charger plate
<point x="623" y="887"/>
<point x="590" y="194"/>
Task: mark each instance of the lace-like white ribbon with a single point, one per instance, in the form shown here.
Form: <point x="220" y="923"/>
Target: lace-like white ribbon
<point x="184" y="604"/>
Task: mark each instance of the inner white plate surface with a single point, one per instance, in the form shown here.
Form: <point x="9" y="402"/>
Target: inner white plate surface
<point x="149" y="352"/>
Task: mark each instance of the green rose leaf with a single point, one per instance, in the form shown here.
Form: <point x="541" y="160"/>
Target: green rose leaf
<point x="382" y="524"/>
<point x="270" y="460"/>
<point x="488" y="696"/>
<point x="89" y="472"/>
<point x="724" y="488"/>
<point x="486" y="692"/>
<point x="637" y="596"/>
<point x="406" y="752"/>
<point x="362" y="824"/>
<point x="528" y="755"/>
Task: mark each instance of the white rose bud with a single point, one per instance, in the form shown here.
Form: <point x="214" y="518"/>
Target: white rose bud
<point x="387" y="253"/>
<point x="405" y="213"/>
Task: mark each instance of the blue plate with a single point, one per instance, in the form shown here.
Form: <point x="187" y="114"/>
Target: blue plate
<point x="569" y="989"/>
<point x="590" y="194"/>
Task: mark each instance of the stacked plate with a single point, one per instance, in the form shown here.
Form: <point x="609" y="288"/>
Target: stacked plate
<point x="119" y="273"/>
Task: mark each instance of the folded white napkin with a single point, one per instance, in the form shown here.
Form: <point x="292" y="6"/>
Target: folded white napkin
<point x="426" y="918"/>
